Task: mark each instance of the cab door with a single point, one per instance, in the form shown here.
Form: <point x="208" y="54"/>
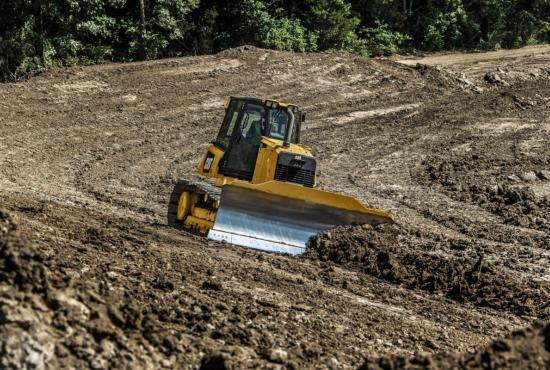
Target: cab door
<point x="242" y="151"/>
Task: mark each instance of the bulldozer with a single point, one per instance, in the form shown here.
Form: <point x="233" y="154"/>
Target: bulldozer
<point x="256" y="187"/>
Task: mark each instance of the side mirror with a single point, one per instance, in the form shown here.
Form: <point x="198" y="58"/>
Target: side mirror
<point x="303" y="116"/>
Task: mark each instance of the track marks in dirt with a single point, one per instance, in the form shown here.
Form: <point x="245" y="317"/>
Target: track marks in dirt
<point x="89" y="169"/>
<point x="161" y="298"/>
<point x="391" y="253"/>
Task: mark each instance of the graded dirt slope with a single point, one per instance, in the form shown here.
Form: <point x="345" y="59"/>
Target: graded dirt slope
<point x="92" y="277"/>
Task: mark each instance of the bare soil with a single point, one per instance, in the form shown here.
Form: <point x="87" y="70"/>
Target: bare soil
<point x="523" y="349"/>
<point x="456" y="146"/>
<point x="462" y="274"/>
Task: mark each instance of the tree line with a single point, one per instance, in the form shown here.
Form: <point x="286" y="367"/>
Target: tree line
<point x="41" y="33"/>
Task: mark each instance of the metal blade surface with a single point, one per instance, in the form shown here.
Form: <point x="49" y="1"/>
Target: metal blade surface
<point x="269" y="222"/>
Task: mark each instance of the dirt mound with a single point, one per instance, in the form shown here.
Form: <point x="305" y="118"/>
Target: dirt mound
<point x="21" y="265"/>
<point x="510" y="77"/>
<point x="391" y="253"/>
<point x="22" y="273"/>
<point x="516" y="205"/>
<point x="523" y="349"/>
<point x="496" y="184"/>
<point x="445" y="79"/>
<point x="45" y="318"/>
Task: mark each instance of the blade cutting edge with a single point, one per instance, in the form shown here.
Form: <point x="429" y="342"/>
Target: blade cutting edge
<point x="269" y="222"/>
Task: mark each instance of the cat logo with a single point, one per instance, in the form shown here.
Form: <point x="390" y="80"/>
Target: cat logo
<point x="298" y="157"/>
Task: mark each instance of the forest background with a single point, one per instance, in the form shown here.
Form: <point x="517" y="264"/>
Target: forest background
<point x="35" y="34"/>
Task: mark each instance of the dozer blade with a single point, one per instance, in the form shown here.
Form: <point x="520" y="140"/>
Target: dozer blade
<point x="281" y="217"/>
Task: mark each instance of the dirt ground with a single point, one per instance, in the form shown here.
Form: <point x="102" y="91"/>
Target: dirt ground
<point x="456" y="146"/>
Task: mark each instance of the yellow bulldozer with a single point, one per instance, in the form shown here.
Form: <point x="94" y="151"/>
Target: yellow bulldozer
<point x="261" y="191"/>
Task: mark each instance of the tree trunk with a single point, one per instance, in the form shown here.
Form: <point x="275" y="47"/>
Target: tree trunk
<point x="142" y="33"/>
<point x="41" y="47"/>
<point x="142" y="16"/>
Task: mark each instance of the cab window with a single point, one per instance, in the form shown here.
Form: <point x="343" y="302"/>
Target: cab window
<point x="277" y="122"/>
<point x="240" y="157"/>
<point x="252" y="119"/>
<point x="228" y="125"/>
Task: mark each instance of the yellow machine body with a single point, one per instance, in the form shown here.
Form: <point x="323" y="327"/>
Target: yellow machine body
<point x="267" y="200"/>
<point x="266" y="163"/>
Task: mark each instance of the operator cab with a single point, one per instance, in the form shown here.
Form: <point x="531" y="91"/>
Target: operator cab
<point x="246" y="121"/>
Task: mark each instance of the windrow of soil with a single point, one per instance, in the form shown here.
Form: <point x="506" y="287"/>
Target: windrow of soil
<point x="501" y="187"/>
<point x="523" y="349"/>
<point x="393" y="254"/>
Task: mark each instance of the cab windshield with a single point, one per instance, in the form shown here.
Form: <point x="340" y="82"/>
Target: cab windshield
<point x="251" y="120"/>
<point x="277" y="121"/>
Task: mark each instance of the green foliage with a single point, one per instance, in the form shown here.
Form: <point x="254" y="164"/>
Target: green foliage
<point x="289" y="34"/>
<point x="168" y="27"/>
<point x="40" y="33"/>
<point x="262" y="27"/>
<point x="334" y="24"/>
<point x="383" y="41"/>
<point x="14" y="47"/>
<point x="445" y="25"/>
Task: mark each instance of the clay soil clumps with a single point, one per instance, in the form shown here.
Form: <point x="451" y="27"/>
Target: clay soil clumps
<point x="390" y="253"/>
<point x="523" y="349"/>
